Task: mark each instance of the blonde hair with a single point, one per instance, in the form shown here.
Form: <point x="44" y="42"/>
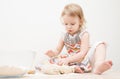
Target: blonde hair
<point x="74" y="10"/>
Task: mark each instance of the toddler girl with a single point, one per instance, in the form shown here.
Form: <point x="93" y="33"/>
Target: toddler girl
<point x="76" y="41"/>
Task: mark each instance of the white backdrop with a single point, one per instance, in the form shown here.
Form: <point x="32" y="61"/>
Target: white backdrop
<point x="35" y="25"/>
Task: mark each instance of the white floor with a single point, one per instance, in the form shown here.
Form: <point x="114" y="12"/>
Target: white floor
<point x="106" y="75"/>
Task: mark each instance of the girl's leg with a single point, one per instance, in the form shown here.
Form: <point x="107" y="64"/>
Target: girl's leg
<point x="98" y="62"/>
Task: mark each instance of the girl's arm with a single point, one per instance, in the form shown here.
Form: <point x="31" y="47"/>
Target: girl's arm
<point x="59" y="46"/>
<point x="83" y="49"/>
<point x="58" y="49"/>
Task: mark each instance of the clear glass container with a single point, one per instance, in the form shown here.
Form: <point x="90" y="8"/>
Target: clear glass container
<point x="16" y="63"/>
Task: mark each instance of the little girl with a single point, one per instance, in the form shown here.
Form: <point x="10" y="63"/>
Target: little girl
<point x="76" y="41"/>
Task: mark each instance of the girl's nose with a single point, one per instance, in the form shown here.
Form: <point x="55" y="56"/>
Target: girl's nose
<point x="69" y="26"/>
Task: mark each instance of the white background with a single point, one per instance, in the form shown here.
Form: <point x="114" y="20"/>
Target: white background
<point x="35" y="25"/>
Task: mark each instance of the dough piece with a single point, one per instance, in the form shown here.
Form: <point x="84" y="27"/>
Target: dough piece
<point x="64" y="69"/>
<point x="54" y="69"/>
<point x="31" y="72"/>
<point x="51" y="69"/>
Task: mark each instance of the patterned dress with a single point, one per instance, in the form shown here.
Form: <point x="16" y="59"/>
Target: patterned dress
<point x="72" y="44"/>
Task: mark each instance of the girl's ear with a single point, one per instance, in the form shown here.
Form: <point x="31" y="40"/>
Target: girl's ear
<point x="81" y="22"/>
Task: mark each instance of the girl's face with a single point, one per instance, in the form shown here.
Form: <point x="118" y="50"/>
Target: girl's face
<point x="71" y="23"/>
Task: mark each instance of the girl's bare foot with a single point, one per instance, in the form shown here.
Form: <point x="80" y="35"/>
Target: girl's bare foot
<point x="78" y="70"/>
<point x="103" y="67"/>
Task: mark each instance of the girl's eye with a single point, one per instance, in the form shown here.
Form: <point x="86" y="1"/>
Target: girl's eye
<point x="72" y="24"/>
<point x="66" y="24"/>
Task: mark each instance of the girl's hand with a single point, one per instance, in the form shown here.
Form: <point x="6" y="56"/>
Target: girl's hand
<point x="63" y="61"/>
<point x="50" y="53"/>
<point x="51" y="61"/>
